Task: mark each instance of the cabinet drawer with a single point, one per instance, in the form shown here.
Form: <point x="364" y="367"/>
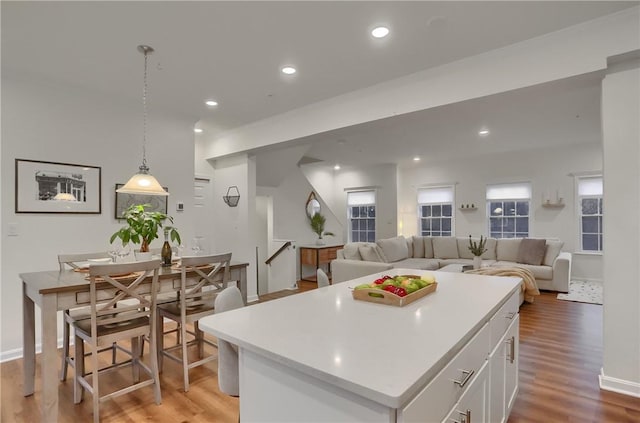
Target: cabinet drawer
<point x="441" y="394"/>
<point x="503" y="318"/>
<point x="308" y="256"/>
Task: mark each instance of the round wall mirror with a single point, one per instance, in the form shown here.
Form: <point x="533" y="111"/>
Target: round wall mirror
<point x="313" y="205"/>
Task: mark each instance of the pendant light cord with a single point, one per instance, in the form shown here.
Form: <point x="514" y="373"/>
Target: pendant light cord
<point x="144" y="106"/>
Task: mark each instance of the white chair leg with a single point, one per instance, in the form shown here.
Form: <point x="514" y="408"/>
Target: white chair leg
<point x="95" y="384"/>
<point x="185" y="357"/>
<point x="159" y="333"/>
<point x="154" y="363"/>
<point x="65" y="349"/>
<point x="79" y="371"/>
<point x="135" y="358"/>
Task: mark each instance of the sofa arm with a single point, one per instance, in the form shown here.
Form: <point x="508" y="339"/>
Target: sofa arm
<point x="561" y="272"/>
<point x="344" y="269"/>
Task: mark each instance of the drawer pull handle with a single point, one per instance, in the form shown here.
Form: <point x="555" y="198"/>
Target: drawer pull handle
<point x="512" y="349"/>
<point x="511" y="315"/>
<point x="464" y="417"/>
<point x="467" y="375"/>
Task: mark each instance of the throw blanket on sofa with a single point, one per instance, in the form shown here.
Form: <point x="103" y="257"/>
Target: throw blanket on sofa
<point x="529" y="286"/>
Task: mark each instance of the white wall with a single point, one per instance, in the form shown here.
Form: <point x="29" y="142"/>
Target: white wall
<point x="235" y="226"/>
<point x="547" y="170"/>
<point x="621" y="135"/>
<point x="334" y="185"/>
<point x="57" y="123"/>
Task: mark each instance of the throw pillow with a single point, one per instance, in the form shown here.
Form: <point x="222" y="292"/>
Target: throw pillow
<point x="428" y="247"/>
<point x="418" y="246"/>
<point x="369" y="252"/>
<point x="553" y="249"/>
<point x="445" y="247"/>
<point x="351" y="251"/>
<point x="507" y="249"/>
<point x="394" y="249"/>
<point x="531" y="251"/>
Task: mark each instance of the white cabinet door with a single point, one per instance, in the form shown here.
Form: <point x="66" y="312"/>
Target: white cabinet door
<point x="474" y="403"/>
<point x="511" y="368"/>
<point x="497" y="364"/>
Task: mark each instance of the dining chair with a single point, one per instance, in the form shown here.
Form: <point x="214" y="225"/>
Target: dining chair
<point x="202" y="278"/>
<point x="112" y="284"/>
<point x="74" y="261"/>
<point x="228" y="377"/>
<point x="321" y="278"/>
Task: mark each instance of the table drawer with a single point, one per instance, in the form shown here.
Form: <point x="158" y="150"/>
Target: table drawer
<point x="503" y="318"/>
<point x="308" y="256"/>
<point x="436" y="399"/>
<point x="327" y="255"/>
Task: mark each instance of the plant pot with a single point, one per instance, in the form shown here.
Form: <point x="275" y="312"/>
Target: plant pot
<point x="140" y="256"/>
<point x="320" y="241"/>
<point x="477" y="262"/>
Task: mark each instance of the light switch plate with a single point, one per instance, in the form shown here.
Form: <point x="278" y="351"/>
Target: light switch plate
<point x="12" y="229"/>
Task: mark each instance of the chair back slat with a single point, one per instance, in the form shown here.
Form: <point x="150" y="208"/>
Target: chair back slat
<point x="136" y="305"/>
<point x="212" y="276"/>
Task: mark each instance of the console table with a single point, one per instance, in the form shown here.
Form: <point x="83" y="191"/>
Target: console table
<point x="317" y="255"/>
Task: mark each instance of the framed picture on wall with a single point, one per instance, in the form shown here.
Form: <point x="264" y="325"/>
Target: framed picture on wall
<point x="124" y="201"/>
<point x="52" y="187"/>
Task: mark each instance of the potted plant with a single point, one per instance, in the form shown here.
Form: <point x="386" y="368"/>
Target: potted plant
<point x="317" y="222"/>
<point x="477" y="248"/>
<point x="142" y="227"/>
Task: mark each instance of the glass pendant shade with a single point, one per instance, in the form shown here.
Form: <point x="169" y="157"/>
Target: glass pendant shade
<point x="143" y="183"/>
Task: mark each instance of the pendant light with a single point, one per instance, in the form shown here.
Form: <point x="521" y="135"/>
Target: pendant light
<point x="143" y="182"/>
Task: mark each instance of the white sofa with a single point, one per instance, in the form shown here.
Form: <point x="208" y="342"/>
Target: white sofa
<point x="550" y="266"/>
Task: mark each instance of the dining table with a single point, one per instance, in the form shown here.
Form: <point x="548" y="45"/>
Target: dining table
<point x="58" y="290"/>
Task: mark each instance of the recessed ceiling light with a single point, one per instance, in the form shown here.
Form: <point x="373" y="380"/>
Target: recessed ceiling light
<point x="211" y="103"/>
<point x="288" y="70"/>
<point x="336" y="167"/>
<point x="416" y="159"/>
<point x="380" y="32"/>
<point x="483" y="132"/>
<point x="197" y="130"/>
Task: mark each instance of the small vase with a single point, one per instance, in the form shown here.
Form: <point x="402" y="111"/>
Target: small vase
<point x="319" y="241"/>
<point x="477" y="262"/>
<point x="142" y="256"/>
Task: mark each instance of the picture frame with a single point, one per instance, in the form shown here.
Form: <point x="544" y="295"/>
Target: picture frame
<point x="124" y="201"/>
<point x="54" y="187"/>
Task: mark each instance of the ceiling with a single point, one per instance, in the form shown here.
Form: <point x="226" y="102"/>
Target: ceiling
<point x="233" y="51"/>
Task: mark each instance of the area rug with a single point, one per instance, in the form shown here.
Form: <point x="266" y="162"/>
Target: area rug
<point x="583" y="292"/>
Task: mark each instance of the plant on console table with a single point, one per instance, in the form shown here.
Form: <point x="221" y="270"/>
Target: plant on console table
<point x="142" y="227"/>
<point x="317" y="222"/>
<point x="477" y="248"/>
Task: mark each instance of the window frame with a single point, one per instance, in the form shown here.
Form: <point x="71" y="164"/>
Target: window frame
<point x="599" y="213"/>
<point x="451" y="204"/>
<point x="350" y="218"/>
<point x="502" y="218"/>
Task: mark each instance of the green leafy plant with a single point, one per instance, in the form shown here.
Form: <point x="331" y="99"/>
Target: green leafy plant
<point x="477" y="248"/>
<point x="317" y="222"/>
<point x="142" y="227"/>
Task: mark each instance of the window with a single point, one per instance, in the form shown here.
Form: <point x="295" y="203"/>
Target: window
<point x="590" y="212"/>
<point x="508" y="210"/>
<point x="361" y="207"/>
<point x="435" y="211"/>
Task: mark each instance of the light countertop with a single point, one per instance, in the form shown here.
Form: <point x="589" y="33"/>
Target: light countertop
<point x="381" y="352"/>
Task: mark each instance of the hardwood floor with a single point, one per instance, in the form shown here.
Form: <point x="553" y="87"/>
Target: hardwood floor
<point x="560" y="359"/>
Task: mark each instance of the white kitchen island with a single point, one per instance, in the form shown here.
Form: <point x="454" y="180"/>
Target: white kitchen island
<point x="321" y="356"/>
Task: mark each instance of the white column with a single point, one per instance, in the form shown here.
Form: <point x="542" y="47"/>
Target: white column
<point x="621" y="141"/>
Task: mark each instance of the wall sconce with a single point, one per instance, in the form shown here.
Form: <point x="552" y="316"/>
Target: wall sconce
<point x="232" y="197"/>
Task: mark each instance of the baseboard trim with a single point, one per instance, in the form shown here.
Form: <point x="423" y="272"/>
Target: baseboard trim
<point x="18" y="352"/>
<point x="621" y="386"/>
<point x="252" y="299"/>
<point x="587" y="279"/>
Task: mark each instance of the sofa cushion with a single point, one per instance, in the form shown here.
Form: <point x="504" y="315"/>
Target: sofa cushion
<point x="428" y="247"/>
<point x="507" y="249"/>
<point x="410" y="246"/>
<point x="552" y="251"/>
<point x="539" y="272"/>
<point x="370" y="252"/>
<point x="464" y="252"/>
<point x="393" y="249"/>
<point x="463" y="248"/>
<point x="445" y="247"/>
<point x="418" y="246"/>
<point x="350" y="251"/>
<point x="417" y="263"/>
<point x="531" y="251"/>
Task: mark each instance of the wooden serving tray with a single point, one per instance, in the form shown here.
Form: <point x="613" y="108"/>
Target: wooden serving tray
<point x="390" y="298"/>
